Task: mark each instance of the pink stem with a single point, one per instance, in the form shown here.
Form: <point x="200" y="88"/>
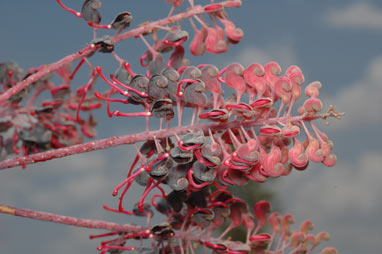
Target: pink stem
<point x="44" y="71"/>
<point x="134" y="138"/>
<point x="96" y="224"/>
<point x="71" y="221"/>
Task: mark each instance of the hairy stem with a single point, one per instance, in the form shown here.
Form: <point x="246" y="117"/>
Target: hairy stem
<point x="71" y="221"/>
<point x="46" y="69"/>
<point x="134" y="138"/>
<point x="96" y="224"/>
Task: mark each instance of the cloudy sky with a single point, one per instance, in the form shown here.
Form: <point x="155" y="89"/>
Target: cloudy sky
<point x="335" y="42"/>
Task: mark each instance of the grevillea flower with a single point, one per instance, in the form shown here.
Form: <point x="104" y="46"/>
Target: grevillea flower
<point x="253" y="142"/>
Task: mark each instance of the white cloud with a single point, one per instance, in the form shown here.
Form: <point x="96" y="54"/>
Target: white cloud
<point x="81" y="182"/>
<point x="361" y="101"/>
<point x="74" y="186"/>
<point x="340" y="200"/>
<point x="347" y="187"/>
<point x="358" y="15"/>
<point x="283" y="54"/>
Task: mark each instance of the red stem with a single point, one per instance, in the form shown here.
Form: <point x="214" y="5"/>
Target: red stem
<point x="77" y="68"/>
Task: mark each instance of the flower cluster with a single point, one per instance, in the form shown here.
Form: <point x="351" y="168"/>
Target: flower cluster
<point x="31" y="122"/>
<point x="240" y="153"/>
<point x="201" y="213"/>
<point x="248" y="141"/>
<point x="254" y="135"/>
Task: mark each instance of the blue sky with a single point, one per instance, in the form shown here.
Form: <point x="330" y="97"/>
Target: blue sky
<point x="335" y="42"/>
